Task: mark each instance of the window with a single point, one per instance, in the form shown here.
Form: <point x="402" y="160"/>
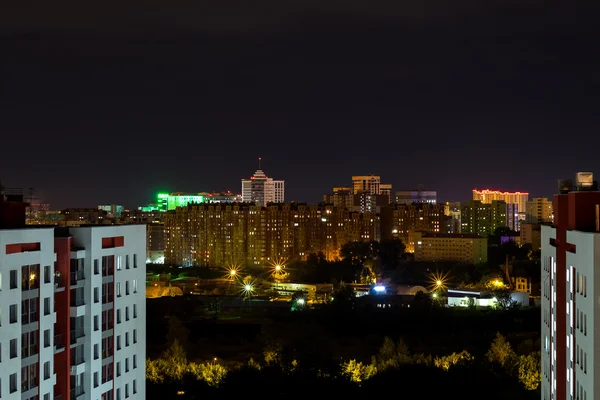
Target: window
<point x="118" y="393"/>
<point x="119" y="342"/>
<point x="126" y="390"/>
<point x="47" y="306"/>
<point x="47" y="338"/>
<point x="135" y="336"/>
<point x="135" y="261"/>
<point x="127" y="288"/>
<point x="29" y="312"/>
<point x="96" y="295"/>
<point x="13" y="279"/>
<point x="119" y="267"/>
<point x="127" y="261"/>
<point x="13" y="313"/>
<point x="119" y="369"/>
<point x="118" y="289"/>
<point x="47" y="274"/>
<point x="29" y="344"/>
<point x="127" y="365"/>
<point x="134" y="361"/>
<point x="134" y="386"/>
<point x="134" y="286"/>
<point x="96" y="352"/>
<point x="46" y="396"/>
<point x="135" y="311"/>
<point x="47" y="370"/>
<point x="13" y="383"/>
<point x="126" y="339"/>
<point x="126" y="313"/>
<point x="13" y="348"/>
<point x="118" y="316"/>
<point x="96" y="380"/>
<point x="30" y="277"/>
<point x="96" y="267"/>
<point x="96" y="327"/>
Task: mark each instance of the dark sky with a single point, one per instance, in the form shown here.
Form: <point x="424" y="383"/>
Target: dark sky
<point x="110" y="103"/>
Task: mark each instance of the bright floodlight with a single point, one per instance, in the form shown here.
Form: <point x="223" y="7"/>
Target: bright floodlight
<point x="438" y="282"/>
<point x="278" y="267"/>
<point x="248" y="288"/>
<point x="379" y="289"/>
<point x="300" y="301"/>
<point x="232" y="272"/>
<point x="435" y="295"/>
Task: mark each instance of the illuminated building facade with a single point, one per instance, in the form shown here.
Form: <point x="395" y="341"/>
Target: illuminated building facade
<point x="486" y="196"/>
<point x="538" y="211"/>
<point x="435" y="247"/>
<point x="483" y="218"/>
<point x="452" y="211"/>
<point x="397" y="220"/>
<point x="570" y="284"/>
<point x="262" y="190"/>
<point x="112" y="209"/>
<point x="170" y="201"/>
<point x="251" y="235"/>
<point x="371" y="184"/>
<point x="342" y="197"/>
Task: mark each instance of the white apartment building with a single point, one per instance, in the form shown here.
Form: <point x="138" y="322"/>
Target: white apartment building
<point x="72" y="313"/>
<point x="570" y="309"/>
<point x="261" y="190"/>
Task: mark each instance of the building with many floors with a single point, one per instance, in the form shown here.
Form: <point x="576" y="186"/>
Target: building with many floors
<point x="486" y="196"/>
<point x="538" y="211"/>
<point x="72" y="311"/>
<point x="570" y="287"/>
<point x="483" y="218"/>
<point x="419" y="195"/>
<point x="342" y="197"/>
<point x="460" y="247"/>
<point x="262" y="190"/>
<point x="250" y="235"/>
<point x="397" y="220"/>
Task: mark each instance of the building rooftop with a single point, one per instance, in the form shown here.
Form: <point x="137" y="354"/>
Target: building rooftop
<point x="452" y="235"/>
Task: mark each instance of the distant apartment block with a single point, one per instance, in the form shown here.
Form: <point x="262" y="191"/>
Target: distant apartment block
<point x="531" y="234"/>
<point x="342" y="197"/>
<point x="262" y="190"/>
<point x="419" y="195"/>
<point x="437" y="247"/>
<point x="538" y="210"/>
<point x="251" y="235"/>
<point x="452" y="211"/>
<point x="114" y="210"/>
<point x="397" y="220"/>
<point x="486" y="196"/>
<point x="483" y="218"/>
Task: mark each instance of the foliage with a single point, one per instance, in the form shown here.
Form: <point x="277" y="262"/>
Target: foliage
<point x="445" y="362"/>
<point x="392" y="355"/>
<point x="357" y="371"/>
<point x="358" y="252"/>
<point x="501" y="352"/>
<point x="154" y="373"/>
<point x="211" y="373"/>
<point x="528" y="367"/>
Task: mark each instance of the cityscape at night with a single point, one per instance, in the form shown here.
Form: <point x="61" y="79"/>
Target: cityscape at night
<point x="291" y="199"/>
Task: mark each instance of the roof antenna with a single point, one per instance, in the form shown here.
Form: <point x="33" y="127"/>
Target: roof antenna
<point x="259" y="160"/>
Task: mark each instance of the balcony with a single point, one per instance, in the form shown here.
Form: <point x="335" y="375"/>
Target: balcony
<point x="76" y="392"/>
<point x="59" y="283"/>
<point x="76" y="334"/>
<point x="76" y="276"/>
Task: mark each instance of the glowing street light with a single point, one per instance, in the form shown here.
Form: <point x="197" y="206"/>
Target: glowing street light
<point x="438" y="283"/>
<point x="277" y="268"/>
<point x="248" y="288"/>
<point x="232" y="272"/>
<point x="300" y="301"/>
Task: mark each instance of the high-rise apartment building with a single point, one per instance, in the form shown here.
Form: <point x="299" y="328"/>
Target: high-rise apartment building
<point x="452" y="211"/>
<point x="366" y="183"/>
<point x="436" y="247"/>
<point x="538" y="211"/>
<point x="397" y="220"/>
<point x="262" y="190"/>
<point x="250" y="235"/>
<point x="72" y="311"/>
<point x="483" y="218"/>
<point x="570" y="282"/>
<point x="486" y="196"/>
<point x="420" y="195"/>
<point x="342" y="197"/>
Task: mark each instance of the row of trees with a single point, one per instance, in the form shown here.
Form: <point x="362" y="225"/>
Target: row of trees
<point x="174" y="368"/>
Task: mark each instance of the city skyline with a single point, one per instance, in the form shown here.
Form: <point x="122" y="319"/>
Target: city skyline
<point x="130" y="102"/>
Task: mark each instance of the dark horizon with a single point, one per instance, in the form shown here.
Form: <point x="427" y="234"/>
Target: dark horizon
<point x="114" y="102"/>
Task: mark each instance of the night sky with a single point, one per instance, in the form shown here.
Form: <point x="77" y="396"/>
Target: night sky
<point x="113" y="103"/>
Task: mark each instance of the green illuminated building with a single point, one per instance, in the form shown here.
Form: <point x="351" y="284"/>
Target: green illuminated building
<point x="167" y="202"/>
